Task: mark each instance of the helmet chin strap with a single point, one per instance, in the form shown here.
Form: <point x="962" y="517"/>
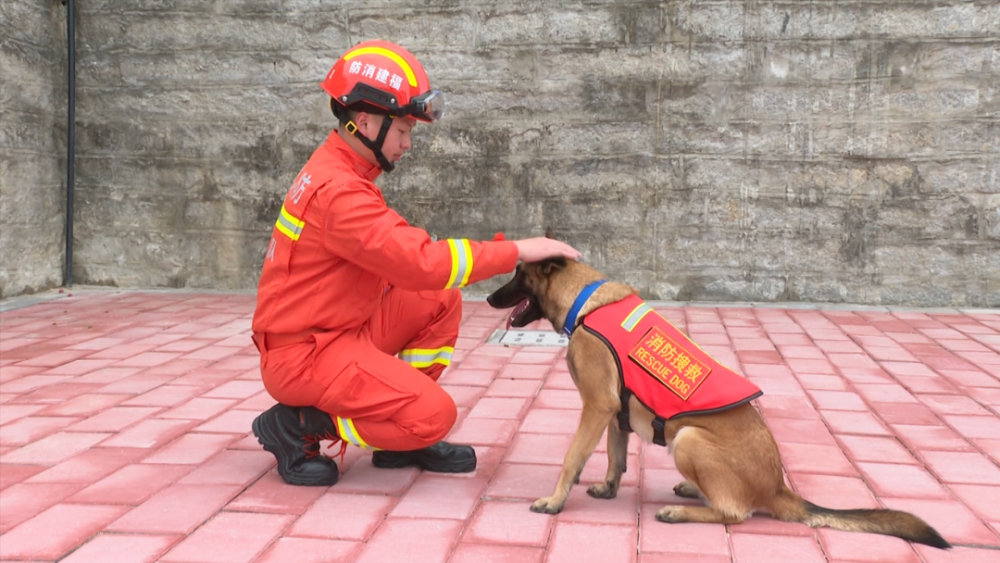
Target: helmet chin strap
<point x="376" y="145"/>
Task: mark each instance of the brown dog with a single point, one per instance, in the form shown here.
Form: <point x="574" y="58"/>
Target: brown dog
<point x="728" y="458"/>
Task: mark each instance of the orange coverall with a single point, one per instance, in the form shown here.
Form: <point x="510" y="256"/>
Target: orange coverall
<point x="348" y="286"/>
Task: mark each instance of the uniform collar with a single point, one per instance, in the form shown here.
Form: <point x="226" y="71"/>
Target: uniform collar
<point x="362" y="167"/>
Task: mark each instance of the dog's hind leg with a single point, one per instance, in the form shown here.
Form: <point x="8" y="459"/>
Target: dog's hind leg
<point x="593" y="421"/>
<point x="617" y="462"/>
<point x="687" y="490"/>
<point x="705" y="514"/>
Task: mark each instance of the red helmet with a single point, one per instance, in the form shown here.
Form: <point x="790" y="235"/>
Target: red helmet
<point x="382" y="77"/>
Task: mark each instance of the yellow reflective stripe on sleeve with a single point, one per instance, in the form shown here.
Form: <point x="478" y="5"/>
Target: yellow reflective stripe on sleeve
<point x="350" y="433"/>
<point x="461" y="263"/>
<point x="421" y="358"/>
<point x="289" y="224"/>
<point x="633" y="318"/>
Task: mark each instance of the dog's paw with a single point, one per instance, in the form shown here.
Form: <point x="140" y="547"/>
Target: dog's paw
<point x="686" y="490"/>
<point x="671" y="514"/>
<point x="602" y="490"/>
<point x="547" y="505"/>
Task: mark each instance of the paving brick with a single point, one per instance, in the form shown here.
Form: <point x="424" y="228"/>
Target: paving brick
<point x="436" y="496"/>
<point x="690" y="539"/>
<point x="957" y="554"/>
<point x="975" y="426"/>
<point x="481" y="553"/>
<point x="954" y="405"/>
<point x="177" y="509"/>
<point x="899" y="480"/>
<point x="815" y="458"/>
<point x="363" y="477"/>
<point x="192" y="448"/>
<point x="539" y="448"/>
<point x="230" y="537"/>
<point x="132" y="484"/>
<point x="199" y="409"/>
<point x="123" y="547"/>
<point x="23" y="501"/>
<point x="509" y="523"/>
<point x="574" y="542"/>
<point x="875" y="448"/>
<point x="833" y="491"/>
<point x="550" y="421"/>
<point x="85" y="405"/>
<point x="962" y="467"/>
<point x="800" y="431"/>
<point x="271" y="494"/>
<point x="517" y="387"/>
<point x="523" y="481"/>
<point x="759" y="548"/>
<point x="905" y="413"/>
<point x="24" y="431"/>
<point x="787" y="407"/>
<point x="57" y="531"/>
<point x="14" y="474"/>
<point x="88" y="466"/>
<point x="310" y="550"/>
<point x="853" y="546"/>
<point x="983" y="500"/>
<point x="931" y="438"/>
<point x="468" y="376"/>
<point x="149" y="434"/>
<point x="484" y="431"/>
<point x="367" y="512"/>
<point x="54" y="448"/>
<point x="426" y="541"/>
<point x="500" y="407"/>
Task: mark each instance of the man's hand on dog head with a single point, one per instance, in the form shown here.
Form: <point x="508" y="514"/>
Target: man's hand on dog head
<point x="540" y="248"/>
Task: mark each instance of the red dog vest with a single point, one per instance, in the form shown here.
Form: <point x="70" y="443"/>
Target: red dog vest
<point x="667" y="372"/>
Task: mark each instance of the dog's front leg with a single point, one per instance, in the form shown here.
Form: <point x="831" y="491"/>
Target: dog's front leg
<point x="617" y="456"/>
<point x="592" y="425"/>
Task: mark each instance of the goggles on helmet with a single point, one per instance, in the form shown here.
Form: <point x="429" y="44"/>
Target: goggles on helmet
<point x="428" y="106"/>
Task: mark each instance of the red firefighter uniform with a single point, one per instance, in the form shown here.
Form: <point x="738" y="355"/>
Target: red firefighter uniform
<point x="667" y="372"/>
<point x="357" y="311"/>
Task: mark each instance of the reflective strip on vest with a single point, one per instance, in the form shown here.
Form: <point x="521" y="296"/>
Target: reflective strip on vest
<point x="421" y="358"/>
<point x="461" y="263"/>
<point x="289" y="225"/>
<point x="350" y="433"/>
<point x="633" y="318"/>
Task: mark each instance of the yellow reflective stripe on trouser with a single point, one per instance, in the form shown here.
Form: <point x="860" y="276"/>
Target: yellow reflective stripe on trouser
<point x="421" y="358"/>
<point x="461" y="262"/>
<point x="289" y="224"/>
<point x="348" y="432"/>
<point x="633" y="318"/>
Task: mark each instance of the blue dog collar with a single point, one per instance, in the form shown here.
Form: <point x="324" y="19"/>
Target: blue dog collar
<point x="574" y="311"/>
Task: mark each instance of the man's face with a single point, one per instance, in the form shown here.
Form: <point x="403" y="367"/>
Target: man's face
<point x="397" y="140"/>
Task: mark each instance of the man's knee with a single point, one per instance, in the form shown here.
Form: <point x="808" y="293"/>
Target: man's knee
<point x="441" y="414"/>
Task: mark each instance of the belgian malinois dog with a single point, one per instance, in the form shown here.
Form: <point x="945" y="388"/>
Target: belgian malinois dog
<point x="729" y="459"/>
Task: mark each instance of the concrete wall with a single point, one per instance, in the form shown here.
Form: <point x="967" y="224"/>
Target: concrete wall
<point x="32" y="145"/>
<point x="711" y="150"/>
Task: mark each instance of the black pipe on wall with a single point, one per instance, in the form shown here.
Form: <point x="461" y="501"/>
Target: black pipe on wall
<point x="71" y="103"/>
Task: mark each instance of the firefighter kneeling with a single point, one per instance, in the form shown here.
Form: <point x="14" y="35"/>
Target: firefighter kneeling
<point x="357" y="311"/>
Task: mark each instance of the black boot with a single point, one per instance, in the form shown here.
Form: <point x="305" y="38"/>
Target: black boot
<point x="292" y="434"/>
<point x="442" y="457"/>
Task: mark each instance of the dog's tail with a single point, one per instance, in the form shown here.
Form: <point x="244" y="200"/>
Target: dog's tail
<point x="790" y="507"/>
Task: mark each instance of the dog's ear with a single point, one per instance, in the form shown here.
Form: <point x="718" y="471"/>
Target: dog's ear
<point x="550" y="265"/>
<point x="549" y="233"/>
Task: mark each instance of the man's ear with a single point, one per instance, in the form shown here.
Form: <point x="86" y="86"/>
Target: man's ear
<point x="549" y="233"/>
<point x="552" y="264"/>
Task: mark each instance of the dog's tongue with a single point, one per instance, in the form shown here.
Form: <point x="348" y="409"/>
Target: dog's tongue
<point x="520" y="308"/>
